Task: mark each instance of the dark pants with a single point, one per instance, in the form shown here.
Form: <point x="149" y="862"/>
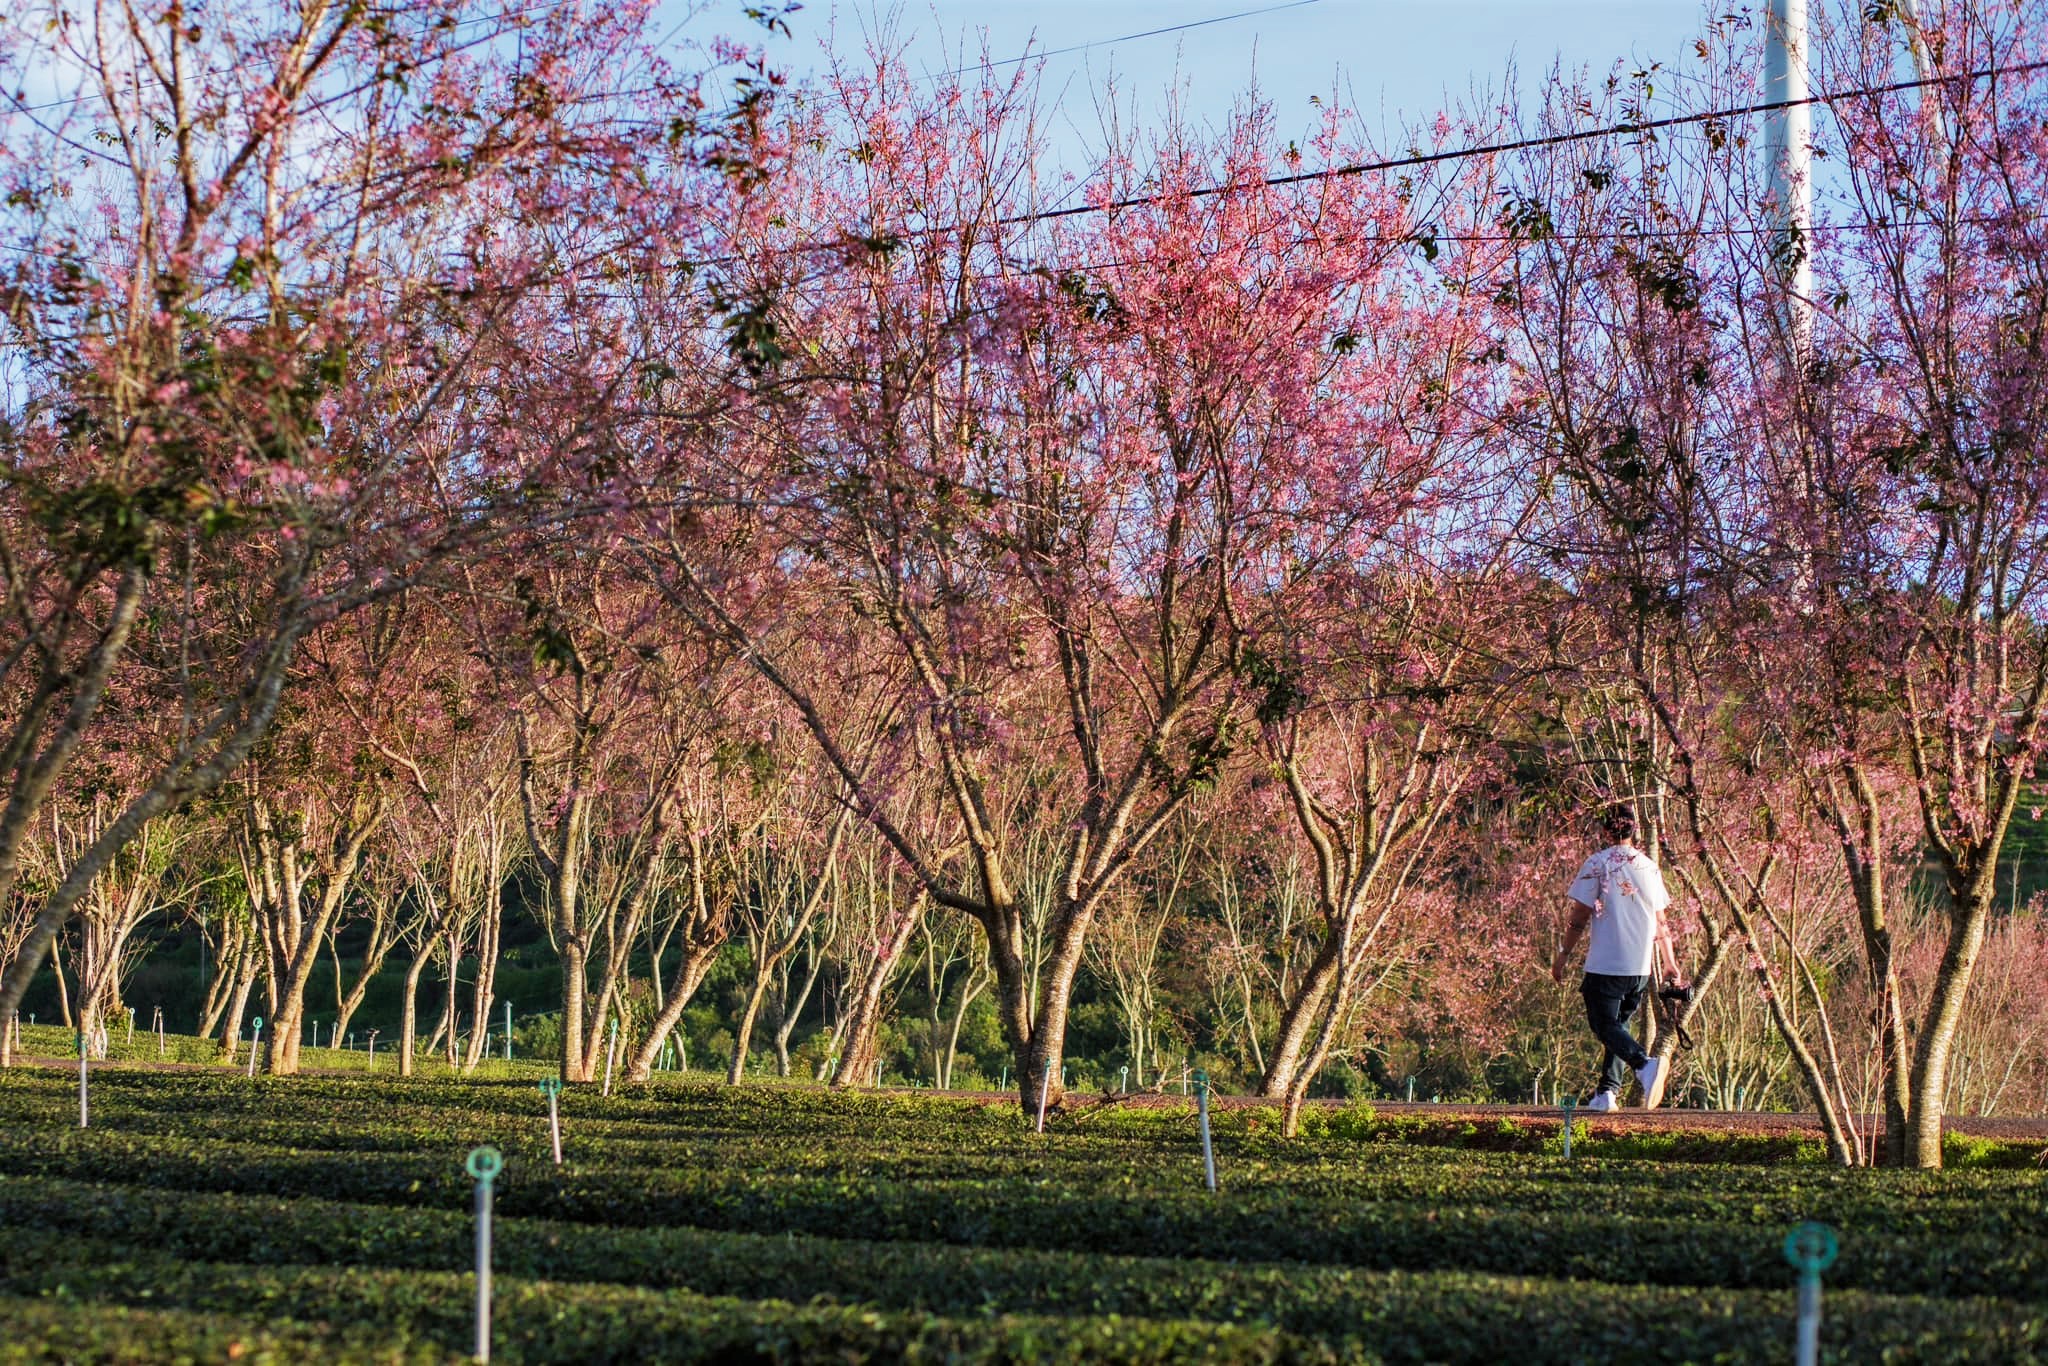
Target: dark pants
<point x="1610" y="1001"/>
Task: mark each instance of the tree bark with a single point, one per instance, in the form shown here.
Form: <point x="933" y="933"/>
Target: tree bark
<point x="1944" y="1013"/>
<point x="1298" y="1016"/>
<point x="408" y="1009"/>
<point x="859" y="1062"/>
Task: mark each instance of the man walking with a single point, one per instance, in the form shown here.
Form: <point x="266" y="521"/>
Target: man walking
<point x="1620" y="893"/>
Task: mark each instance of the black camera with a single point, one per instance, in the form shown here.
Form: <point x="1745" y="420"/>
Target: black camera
<point x="1678" y="996"/>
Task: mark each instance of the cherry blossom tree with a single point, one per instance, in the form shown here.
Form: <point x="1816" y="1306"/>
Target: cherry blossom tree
<point x="254" y="256"/>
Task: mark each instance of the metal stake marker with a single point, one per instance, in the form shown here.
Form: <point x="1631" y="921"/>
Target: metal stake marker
<point x="1123" y="1080"/>
<point x="373" y="1050"/>
<point x="484" y="1164"/>
<point x="1569" y="1102"/>
<point x="131" y="1029"/>
<point x="1411" y="1090"/>
<point x="1812" y="1249"/>
<point x="159" y="1031"/>
<point x="508" y="1031"/>
<point x="1202" y="1113"/>
<point x="1044" y="1089"/>
<point x="1004" y="1084"/>
<point x="255" y="1043"/>
<point x="81" y="1079"/>
<point x="551" y="1087"/>
<point x="611" y="1053"/>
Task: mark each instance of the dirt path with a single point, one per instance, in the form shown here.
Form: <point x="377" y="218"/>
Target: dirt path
<point x="1655" y="1121"/>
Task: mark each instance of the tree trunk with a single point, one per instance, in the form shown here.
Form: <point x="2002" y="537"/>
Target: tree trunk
<point x="574" y="1068"/>
<point x="484" y="994"/>
<point x="63" y="991"/>
<point x="859" y="1064"/>
<point x="690" y="975"/>
<point x="381" y="940"/>
<point x="970" y="992"/>
<point x="408" y="1010"/>
<point x="1944" y="1013"/>
<point x="1296" y="1019"/>
<point x="743" y="1033"/>
<point x="1333" y="1018"/>
<point x="450" y="1015"/>
<point x="231" y="1027"/>
<point x="792" y="1010"/>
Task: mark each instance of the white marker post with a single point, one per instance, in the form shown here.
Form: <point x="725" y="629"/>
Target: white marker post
<point x="552" y="1088"/>
<point x="373" y="1050"/>
<point x="1044" y="1090"/>
<point x="1812" y="1249"/>
<point x="1202" y="1113"/>
<point x="81" y="1079"/>
<point x="611" y="1053"/>
<point x="159" y="1031"/>
<point x="1569" y="1102"/>
<point x="484" y="1164"/>
<point x="255" y="1043"/>
<point x="508" y="1031"/>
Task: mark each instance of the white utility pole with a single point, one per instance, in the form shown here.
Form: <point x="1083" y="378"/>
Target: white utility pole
<point x="1923" y="68"/>
<point x="1788" y="144"/>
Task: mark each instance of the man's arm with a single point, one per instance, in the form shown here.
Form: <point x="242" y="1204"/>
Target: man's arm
<point x="1582" y="916"/>
<point x="1665" y="951"/>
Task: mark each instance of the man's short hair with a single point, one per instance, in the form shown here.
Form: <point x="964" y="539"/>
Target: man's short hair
<point x="1619" y="822"/>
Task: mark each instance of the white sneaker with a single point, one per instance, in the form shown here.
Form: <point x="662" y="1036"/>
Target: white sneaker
<point x="1602" y="1103"/>
<point x="1651" y="1075"/>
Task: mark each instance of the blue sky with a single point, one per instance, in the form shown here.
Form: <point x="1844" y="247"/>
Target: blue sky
<point x="1394" y="61"/>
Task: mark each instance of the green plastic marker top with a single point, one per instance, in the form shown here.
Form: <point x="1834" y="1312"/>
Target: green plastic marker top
<point x="1201" y="1080"/>
<point x="551" y="1086"/>
<point x="1812" y="1248"/>
<point x="485" y="1163"/>
<point x="256" y="1022"/>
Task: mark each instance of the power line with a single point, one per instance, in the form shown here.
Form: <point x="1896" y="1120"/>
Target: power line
<point x="1435" y="158"/>
<point x="1129" y="37"/>
<point x="1636" y="126"/>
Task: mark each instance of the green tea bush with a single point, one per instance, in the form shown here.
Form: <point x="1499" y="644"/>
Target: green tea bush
<point x="328" y="1217"/>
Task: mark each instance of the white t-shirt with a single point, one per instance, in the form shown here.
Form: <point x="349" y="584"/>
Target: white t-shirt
<point x="1626" y="892"/>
